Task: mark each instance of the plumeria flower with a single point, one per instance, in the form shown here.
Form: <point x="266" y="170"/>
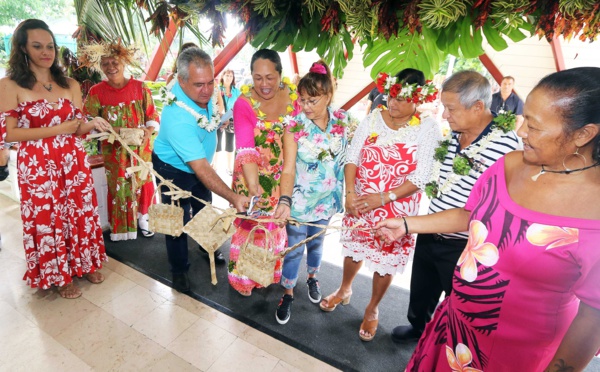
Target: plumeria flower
<point x="460" y="361"/>
<point x="477" y="250"/>
<point x="551" y="236"/>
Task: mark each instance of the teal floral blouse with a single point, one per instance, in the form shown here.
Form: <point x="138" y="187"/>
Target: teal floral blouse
<point x="320" y="160"/>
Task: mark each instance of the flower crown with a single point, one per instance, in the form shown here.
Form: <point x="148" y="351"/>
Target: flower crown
<point x="414" y="93"/>
<point x="91" y="55"/>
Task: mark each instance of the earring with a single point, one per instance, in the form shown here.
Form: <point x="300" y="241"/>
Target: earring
<point x="576" y="154"/>
<point x="281" y="85"/>
<point x="26" y="60"/>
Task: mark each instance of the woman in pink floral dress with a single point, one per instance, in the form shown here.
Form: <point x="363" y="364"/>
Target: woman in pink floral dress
<point x="62" y="236"/>
<point x="259" y="115"/>
<point x="525" y="293"/>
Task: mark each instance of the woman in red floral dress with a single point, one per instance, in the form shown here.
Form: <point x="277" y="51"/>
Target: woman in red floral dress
<point x="124" y="103"/>
<point x="389" y="160"/>
<point x="62" y="235"/>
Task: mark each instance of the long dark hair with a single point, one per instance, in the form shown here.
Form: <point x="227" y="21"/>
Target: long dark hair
<point x="576" y="93"/>
<point x="18" y="64"/>
<point x="267" y="54"/>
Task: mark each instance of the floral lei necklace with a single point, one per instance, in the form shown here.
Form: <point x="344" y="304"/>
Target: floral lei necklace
<point x="323" y="152"/>
<point x="464" y="160"/>
<point x="203" y="121"/>
<point x="270" y="128"/>
<point x="373" y="138"/>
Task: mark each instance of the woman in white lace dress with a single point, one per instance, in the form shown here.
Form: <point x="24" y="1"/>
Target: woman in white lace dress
<point x="389" y="162"/>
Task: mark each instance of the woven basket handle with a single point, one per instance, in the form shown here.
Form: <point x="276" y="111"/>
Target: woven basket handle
<point x="267" y="236"/>
<point x="288" y="250"/>
<point x="159" y="192"/>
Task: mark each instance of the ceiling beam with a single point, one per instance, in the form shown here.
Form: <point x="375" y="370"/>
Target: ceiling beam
<point x="360" y="95"/>
<point x="230" y="51"/>
<point x="158" y="57"/>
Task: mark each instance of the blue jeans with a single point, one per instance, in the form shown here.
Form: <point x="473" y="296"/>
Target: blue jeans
<point x="177" y="247"/>
<point x="314" y="248"/>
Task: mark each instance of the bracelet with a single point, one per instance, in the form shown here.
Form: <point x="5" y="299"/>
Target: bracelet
<point x="405" y="225"/>
<point x="382" y="199"/>
<point x="286" y="198"/>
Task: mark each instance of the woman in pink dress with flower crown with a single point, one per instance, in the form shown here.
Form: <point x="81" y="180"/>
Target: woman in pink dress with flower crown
<point x="525" y="293"/>
<point x="62" y="235"/>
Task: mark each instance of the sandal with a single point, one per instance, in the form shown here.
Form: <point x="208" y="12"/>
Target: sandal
<point x="95" y="277"/>
<point x="69" y="291"/>
<point x="332" y="302"/>
<point x="370" y="327"/>
<point x="147" y="233"/>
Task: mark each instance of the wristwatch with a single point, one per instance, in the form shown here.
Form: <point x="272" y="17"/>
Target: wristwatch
<point x="392" y="196"/>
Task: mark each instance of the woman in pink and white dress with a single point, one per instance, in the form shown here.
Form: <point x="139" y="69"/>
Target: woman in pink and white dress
<point x="62" y="235"/>
<point x="390" y="159"/>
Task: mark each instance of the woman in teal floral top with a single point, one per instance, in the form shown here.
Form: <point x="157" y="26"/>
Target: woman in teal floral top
<point x="311" y="184"/>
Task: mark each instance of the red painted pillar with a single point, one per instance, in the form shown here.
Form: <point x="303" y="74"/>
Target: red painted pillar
<point x="293" y="60"/>
<point x="358" y="96"/>
<point x="491" y="67"/>
<point x="229" y="52"/>
<point x="158" y="57"/>
<point x="559" y="59"/>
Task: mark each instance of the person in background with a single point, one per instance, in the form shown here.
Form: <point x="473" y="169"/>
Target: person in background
<point x="259" y="117"/>
<point x="374" y="99"/>
<point x="184" y="149"/>
<point x="125" y="103"/>
<point x="314" y="146"/>
<point x="62" y="235"/>
<point x="229" y="94"/>
<point x="526" y="295"/>
<point x="389" y="162"/>
<point x="4" y="155"/>
<point x="476" y="143"/>
<point x="173" y="75"/>
<point x="507" y="101"/>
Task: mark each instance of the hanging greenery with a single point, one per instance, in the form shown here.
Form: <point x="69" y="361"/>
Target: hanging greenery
<point x="396" y="33"/>
<point x="441" y="13"/>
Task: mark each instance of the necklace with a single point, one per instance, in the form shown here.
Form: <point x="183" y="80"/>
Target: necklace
<point x="321" y="149"/>
<point x="566" y="171"/>
<point x="203" y="122"/>
<point x="48" y="88"/>
<point x="399" y="134"/>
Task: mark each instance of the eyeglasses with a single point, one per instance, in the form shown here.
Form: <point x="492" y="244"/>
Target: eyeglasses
<point x="309" y="102"/>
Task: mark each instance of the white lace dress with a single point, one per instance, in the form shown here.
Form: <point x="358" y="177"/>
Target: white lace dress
<point x="385" y="159"/>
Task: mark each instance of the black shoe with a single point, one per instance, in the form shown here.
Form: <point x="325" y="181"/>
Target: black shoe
<point x="219" y="258"/>
<point x="284" y="309"/>
<point x="181" y="282"/>
<point x="314" y="290"/>
<point x="405" y="334"/>
<point x="3" y="172"/>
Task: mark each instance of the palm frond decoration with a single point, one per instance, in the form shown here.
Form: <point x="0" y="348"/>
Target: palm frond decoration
<point x="361" y="16"/>
<point x="441" y="13"/>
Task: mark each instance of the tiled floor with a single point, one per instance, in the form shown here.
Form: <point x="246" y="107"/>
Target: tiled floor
<point x="128" y="323"/>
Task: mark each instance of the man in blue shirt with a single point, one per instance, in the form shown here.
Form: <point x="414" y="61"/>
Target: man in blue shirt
<point x="506" y="100"/>
<point x="184" y="150"/>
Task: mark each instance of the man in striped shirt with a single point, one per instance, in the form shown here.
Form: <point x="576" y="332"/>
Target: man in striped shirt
<point x="477" y="144"/>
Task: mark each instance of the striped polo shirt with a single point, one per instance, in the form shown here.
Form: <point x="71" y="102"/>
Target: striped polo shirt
<point x="458" y="194"/>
